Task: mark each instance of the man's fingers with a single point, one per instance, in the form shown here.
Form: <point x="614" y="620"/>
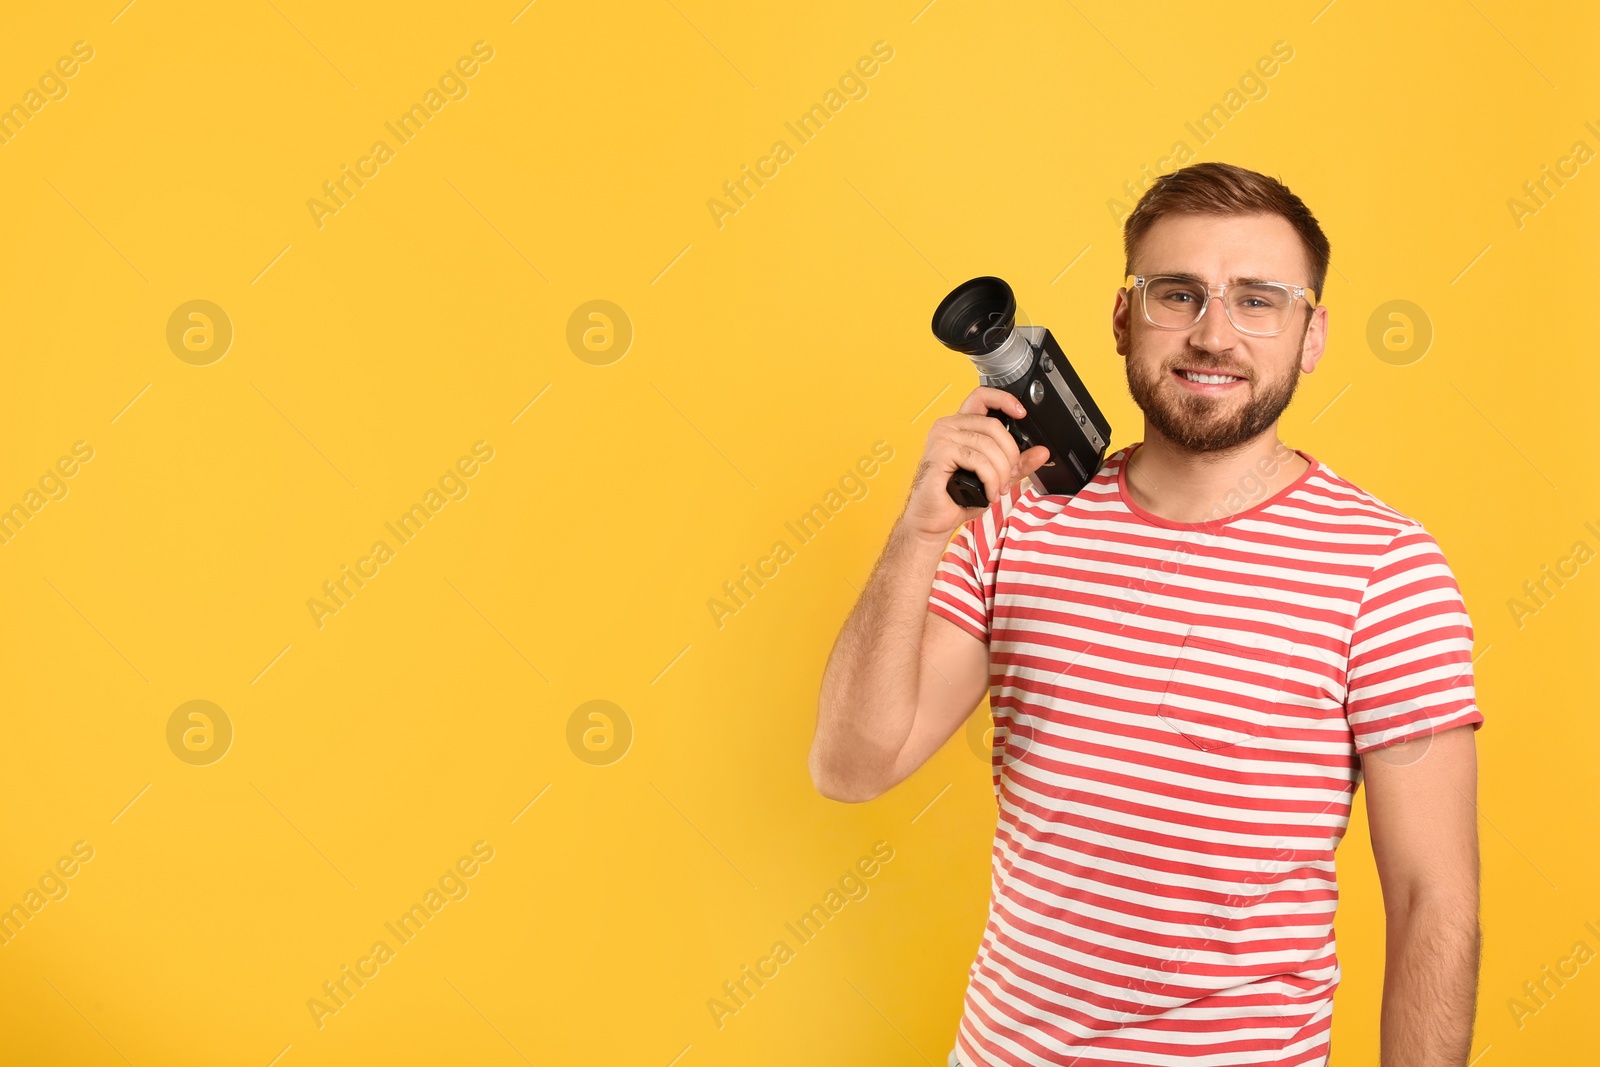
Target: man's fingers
<point x="998" y="458"/>
<point x="983" y="445"/>
<point x="984" y="397"/>
<point x="977" y="459"/>
<point x="997" y="443"/>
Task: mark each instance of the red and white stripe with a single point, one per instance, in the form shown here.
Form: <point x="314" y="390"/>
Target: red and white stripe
<point x="1179" y="712"/>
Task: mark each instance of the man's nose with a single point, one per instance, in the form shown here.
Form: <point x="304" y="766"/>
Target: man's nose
<point x="1214" y="332"/>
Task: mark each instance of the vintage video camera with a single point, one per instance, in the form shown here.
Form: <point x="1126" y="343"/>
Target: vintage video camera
<point x="979" y="319"/>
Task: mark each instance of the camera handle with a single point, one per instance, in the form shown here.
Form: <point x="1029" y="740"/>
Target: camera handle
<point x="965" y="487"/>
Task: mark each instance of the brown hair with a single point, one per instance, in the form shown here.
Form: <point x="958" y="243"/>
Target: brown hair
<point x="1223" y="189"/>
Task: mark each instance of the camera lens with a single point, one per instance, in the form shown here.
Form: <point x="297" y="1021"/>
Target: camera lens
<point x="977" y="316"/>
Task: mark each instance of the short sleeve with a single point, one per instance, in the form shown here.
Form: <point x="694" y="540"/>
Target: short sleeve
<point x="1410" y="666"/>
<point x="963" y="586"/>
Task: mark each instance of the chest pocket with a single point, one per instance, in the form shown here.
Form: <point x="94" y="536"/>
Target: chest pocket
<point x="1225" y="685"/>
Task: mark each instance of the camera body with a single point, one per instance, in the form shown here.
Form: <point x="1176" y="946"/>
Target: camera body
<point x="978" y="318"/>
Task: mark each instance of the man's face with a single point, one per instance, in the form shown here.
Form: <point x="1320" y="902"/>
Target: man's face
<point x="1212" y="418"/>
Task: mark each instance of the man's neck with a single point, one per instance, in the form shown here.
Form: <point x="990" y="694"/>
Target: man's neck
<point x="1184" y="486"/>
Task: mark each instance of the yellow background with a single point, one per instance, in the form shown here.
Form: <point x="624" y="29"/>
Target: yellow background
<point x="768" y="355"/>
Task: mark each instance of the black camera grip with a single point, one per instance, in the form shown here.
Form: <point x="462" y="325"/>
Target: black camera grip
<point x="965" y="487"/>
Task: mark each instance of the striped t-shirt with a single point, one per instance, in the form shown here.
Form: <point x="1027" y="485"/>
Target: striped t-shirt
<point x="1179" y="712"/>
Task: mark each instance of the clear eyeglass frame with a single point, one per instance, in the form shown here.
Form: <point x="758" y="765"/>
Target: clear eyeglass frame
<point x="1139" y="282"/>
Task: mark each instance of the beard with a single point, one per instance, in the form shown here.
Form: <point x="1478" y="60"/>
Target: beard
<point x="1196" y="422"/>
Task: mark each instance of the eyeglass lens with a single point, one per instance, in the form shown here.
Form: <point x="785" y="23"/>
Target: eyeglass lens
<point x="1176" y="302"/>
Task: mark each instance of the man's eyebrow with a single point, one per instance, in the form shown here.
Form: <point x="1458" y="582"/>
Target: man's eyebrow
<point x="1189" y="275"/>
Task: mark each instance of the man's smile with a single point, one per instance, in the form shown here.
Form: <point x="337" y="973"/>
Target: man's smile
<point x="1206" y="381"/>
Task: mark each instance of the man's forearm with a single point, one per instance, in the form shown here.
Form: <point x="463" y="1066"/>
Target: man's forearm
<point x="1430" y="985"/>
<point x="869" y="689"/>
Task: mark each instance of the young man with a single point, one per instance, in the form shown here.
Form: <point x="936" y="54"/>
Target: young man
<point x="1193" y="663"/>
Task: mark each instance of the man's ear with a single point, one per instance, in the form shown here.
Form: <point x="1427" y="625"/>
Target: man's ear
<point x="1120" y="326"/>
<point x="1316" y="339"/>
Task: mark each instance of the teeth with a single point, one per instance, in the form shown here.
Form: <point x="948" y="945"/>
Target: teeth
<point x="1209" y="379"/>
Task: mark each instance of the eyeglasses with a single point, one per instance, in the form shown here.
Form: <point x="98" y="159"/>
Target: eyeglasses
<point x="1261" y="309"/>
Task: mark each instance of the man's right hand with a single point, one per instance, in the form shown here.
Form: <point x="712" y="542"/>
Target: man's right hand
<point x="969" y="439"/>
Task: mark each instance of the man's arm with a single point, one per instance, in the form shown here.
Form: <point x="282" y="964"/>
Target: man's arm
<point x="901" y="680"/>
<point x="1422" y="810"/>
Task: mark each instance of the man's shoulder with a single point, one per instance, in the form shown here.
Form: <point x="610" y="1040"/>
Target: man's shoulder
<point x="1354" y="506"/>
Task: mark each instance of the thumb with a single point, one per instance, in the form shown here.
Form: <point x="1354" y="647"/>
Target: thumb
<point x="1033" y="459"/>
